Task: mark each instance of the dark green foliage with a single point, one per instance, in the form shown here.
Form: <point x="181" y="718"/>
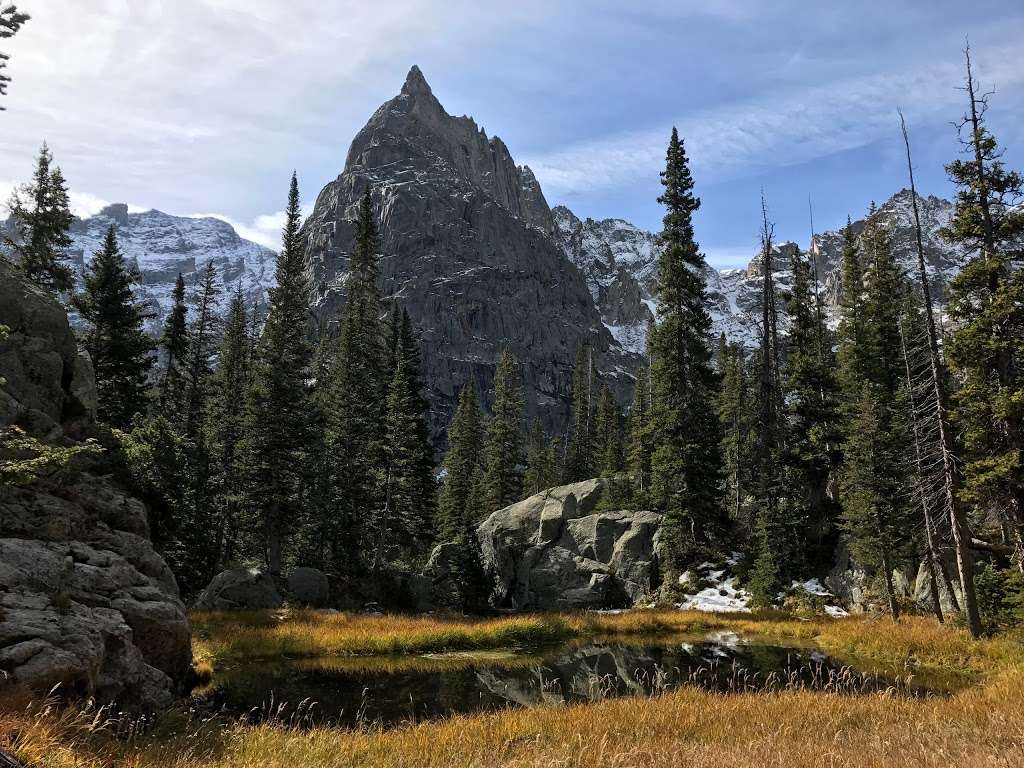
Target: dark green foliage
<point x="461" y="502"/>
<point x="876" y="518"/>
<point x="159" y="459"/>
<point x="638" y="438"/>
<point x="279" y="415"/>
<point x="405" y="522"/>
<point x="174" y="349"/>
<point x="202" y="340"/>
<point x="812" y="408"/>
<point x="736" y="414"/>
<point x="225" y="429"/>
<point x="42" y="218"/>
<point x="114" y="338"/>
<point x="608" y="435"/>
<point x="11" y="21"/>
<point x="356" y="398"/>
<point x="986" y="302"/>
<point x="503" y="477"/>
<point x="1000" y="598"/>
<point x="541" y="462"/>
<point x="579" y="464"/>
<point x="776" y="524"/>
<point x="686" y="465"/>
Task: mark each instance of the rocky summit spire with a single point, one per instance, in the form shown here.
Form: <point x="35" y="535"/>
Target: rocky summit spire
<point x="415" y="83"/>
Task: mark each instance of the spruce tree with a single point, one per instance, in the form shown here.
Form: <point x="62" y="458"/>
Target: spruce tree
<point x="279" y="415"/>
<point x="358" y="387"/>
<point x="876" y="506"/>
<point x="986" y="303"/>
<point x="776" y="542"/>
<point x="812" y="406"/>
<point x="202" y="336"/>
<point x="225" y="425"/>
<point x="579" y="464"/>
<point x="462" y="469"/>
<point x="638" y="442"/>
<point x="405" y="521"/>
<point x="608" y="445"/>
<point x="173" y="345"/>
<point x="687" y="463"/>
<point x="11" y="20"/>
<point x="114" y="338"/>
<point x="537" y="477"/>
<point x="736" y="417"/>
<point x="42" y="218"/>
<point x="503" y="478"/>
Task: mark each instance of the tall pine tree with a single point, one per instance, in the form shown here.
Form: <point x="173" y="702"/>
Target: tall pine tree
<point x="114" y="338"/>
<point x="876" y="517"/>
<point x="986" y="302"/>
<point x="42" y="219"/>
<point x="279" y="412"/>
<point x="225" y="425"/>
<point x="462" y="468"/>
<point x="202" y="337"/>
<point x="687" y="461"/>
<point x="638" y="442"/>
<point x="812" y="407"/>
<point x="174" y="350"/>
<point x="356" y="400"/>
<point x="405" y="523"/>
<point x="503" y="478"/>
<point x="579" y="464"/>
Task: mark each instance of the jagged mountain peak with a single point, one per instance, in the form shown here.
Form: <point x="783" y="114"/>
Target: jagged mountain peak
<point x="416" y="83"/>
<point x="466" y="249"/>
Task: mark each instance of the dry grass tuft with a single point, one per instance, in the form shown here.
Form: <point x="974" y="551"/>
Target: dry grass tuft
<point x="982" y="725"/>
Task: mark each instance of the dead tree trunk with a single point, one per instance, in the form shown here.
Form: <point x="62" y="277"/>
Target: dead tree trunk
<point x="957" y="518"/>
<point x="931" y="556"/>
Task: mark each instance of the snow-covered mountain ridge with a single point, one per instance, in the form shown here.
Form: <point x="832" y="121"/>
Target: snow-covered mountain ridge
<point x="619" y="262"/>
<point x="161" y="245"/>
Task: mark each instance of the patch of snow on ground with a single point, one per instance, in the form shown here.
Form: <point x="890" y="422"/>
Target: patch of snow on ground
<point x="722" y="596"/>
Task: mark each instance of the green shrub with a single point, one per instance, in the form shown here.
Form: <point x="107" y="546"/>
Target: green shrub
<point x="1000" y="597"/>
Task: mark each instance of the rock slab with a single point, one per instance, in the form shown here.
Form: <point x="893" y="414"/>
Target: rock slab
<point x="556" y="550"/>
<point x="240" y="589"/>
<point x="86" y="603"/>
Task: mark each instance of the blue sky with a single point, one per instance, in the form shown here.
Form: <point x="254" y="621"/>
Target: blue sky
<point x="205" y="106"/>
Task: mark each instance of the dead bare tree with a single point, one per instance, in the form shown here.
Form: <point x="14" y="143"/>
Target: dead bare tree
<point x="957" y="518"/>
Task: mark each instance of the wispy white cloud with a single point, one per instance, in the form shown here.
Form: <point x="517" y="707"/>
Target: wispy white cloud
<point x="796" y="126"/>
<point x="83" y="204"/>
<point x="264" y="229"/>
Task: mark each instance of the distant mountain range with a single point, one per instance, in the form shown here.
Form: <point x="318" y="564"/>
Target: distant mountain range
<point x="161" y="246"/>
<point x="472" y="250"/>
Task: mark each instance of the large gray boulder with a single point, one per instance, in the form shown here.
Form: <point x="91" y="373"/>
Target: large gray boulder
<point x="310" y="586"/>
<point x="239" y="589"/>
<point x="555" y="550"/>
<point x="86" y="603"/>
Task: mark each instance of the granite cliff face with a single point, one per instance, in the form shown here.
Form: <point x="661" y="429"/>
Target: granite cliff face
<point x="85" y="601"/>
<point x="467" y="249"/>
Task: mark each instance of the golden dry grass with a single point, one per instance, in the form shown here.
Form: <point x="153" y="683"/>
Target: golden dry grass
<point x="982" y="725"/>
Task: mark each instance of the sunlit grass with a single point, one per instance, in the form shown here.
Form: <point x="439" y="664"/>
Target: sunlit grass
<point x="981" y="725"/>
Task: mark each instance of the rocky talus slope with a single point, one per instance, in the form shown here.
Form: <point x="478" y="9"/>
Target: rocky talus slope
<point x="85" y="601"/>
